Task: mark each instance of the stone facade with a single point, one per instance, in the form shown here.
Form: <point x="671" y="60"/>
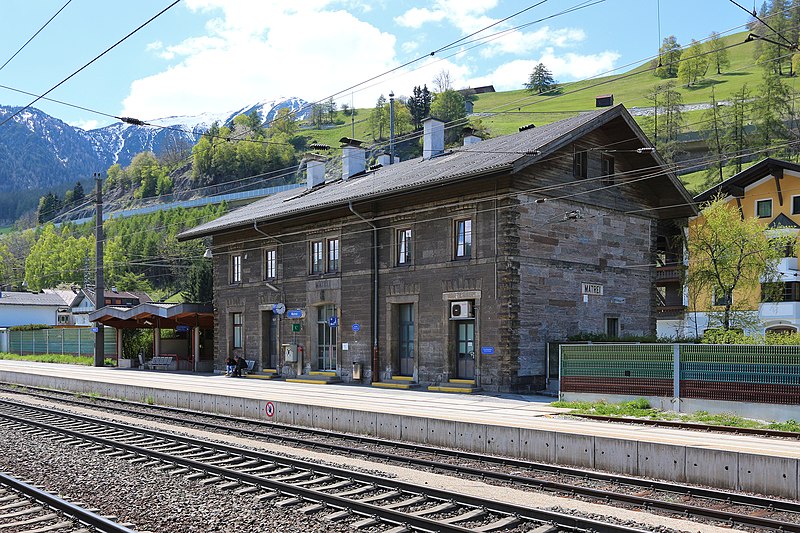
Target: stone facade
<point x="552" y="255"/>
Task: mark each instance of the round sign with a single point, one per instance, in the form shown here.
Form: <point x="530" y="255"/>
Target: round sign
<point x="356" y="327"/>
<point x="270" y="409"/>
<point x="279" y="308"/>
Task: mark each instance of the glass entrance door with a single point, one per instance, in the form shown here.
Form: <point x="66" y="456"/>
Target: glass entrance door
<point x="406" y="339"/>
<point x="326" y="338"/>
<point x="465" y="348"/>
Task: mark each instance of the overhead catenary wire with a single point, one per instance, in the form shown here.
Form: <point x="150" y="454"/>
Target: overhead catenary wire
<point x="32" y="37"/>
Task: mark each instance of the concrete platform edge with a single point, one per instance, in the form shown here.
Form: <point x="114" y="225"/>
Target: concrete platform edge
<point x="727" y="470"/>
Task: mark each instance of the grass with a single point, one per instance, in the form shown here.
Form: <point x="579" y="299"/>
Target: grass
<point x="506" y="111"/>
<point x="85" y="360"/>
<point x="640" y="408"/>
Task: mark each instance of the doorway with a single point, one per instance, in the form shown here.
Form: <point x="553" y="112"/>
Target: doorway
<point x="405" y="335"/>
<point x="326" y="338"/>
<point x="465" y="349"/>
<point x="269" y="340"/>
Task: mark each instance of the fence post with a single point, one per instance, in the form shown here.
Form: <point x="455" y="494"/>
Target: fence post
<point x="676" y="377"/>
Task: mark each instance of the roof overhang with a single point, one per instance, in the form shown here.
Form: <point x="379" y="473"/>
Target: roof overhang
<point x="152" y="316"/>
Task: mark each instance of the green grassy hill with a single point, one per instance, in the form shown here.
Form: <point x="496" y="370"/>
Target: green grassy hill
<point x="503" y="112"/>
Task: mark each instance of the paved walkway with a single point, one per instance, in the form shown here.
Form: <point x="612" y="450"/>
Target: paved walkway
<point x="512" y="410"/>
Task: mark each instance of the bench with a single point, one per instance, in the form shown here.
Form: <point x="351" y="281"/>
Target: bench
<point x="160" y="362"/>
<point x="251" y="363"/>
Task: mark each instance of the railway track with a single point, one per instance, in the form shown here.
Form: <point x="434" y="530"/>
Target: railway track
<point x="24" y="507"/>
<point x="365" y="500"/>
<point x="701" y="503"/>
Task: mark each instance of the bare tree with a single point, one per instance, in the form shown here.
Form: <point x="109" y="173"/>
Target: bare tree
<point x="443" y="82"/>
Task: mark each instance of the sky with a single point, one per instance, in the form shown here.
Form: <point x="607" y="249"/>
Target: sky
<point x="212" y="56"/>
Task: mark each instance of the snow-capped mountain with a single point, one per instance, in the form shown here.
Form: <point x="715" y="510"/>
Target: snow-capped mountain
<point x="38" y="151"/>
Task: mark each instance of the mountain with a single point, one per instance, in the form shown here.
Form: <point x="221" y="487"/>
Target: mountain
<point x="40" y="153"/>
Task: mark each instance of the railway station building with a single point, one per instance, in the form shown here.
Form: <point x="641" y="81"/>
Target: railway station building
<point x="452" y="271"/>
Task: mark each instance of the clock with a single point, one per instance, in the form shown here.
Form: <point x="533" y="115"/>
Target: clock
<point x="279" y="308"/>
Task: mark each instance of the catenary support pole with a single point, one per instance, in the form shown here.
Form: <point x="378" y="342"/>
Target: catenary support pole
<point x="99" y="287"/>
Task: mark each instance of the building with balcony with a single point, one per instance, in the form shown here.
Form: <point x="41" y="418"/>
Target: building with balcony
<point x="769" y="191"/>
<point x="454" y="269"/>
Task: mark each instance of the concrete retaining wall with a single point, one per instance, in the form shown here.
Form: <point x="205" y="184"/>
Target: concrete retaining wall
<point x="727" y="470"/>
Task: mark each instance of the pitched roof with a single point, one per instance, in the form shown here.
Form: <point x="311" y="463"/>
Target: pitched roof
<point x="505" y="154"/>
<point x="128" y="295"/>
<point x="31" y="298"/>
<point x="735" y="185"/>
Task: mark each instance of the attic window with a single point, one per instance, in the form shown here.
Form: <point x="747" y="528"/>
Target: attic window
<point x="580" y="164"/>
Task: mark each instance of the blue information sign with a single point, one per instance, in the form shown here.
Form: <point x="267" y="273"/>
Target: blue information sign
<point x="333" y="321"/>
<point x="487" y="350"/>
<point x="181" y="327"/>
<point x="356" y="327"/>
<point x="94" y="330"/>
<point x="294" y="313"/>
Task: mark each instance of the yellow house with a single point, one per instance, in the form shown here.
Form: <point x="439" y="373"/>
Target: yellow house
<point x="770" y="192"/>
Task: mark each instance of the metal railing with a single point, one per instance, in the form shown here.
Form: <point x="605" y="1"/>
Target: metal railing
<point x="751" y="373"/>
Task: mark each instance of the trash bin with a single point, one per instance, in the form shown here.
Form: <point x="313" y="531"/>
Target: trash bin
<point x="356" y="371"/>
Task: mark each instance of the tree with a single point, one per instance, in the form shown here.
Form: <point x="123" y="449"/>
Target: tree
<point x="442" y="81"/>
<point x="719" y="53"/>
<point x="667" y="119"/>
<point x="714" y="139"/>
<point x="729" y="255"/>
<point x="49" y="205"/>
<point x="669" y="55"/>
<point x="77" y="192"/>
<point x="199" y="283"/>
<point x="541" y="80"/>
<point x="330" y="109"/>
<point x="318" y="115"/>
<point x="419" y="105"/>
<point x="284" y="122"/>
<point x="449" y="107"/>
<point x="379" y="118"/>
<point x="769" y="110"/>
<point x="735" y="118"/>
<point x="694" y="64"/>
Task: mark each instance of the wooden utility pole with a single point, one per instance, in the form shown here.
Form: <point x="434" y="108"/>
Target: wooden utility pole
<point x="99" y="286"/>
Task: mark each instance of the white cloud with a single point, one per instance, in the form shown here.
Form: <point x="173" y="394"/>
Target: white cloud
<point x="85" y="124"/>
<point x="262" y="50"/>
<point x="416" y="17"/>
<point x="409" y="46"/>
<point x="568" y="67"/>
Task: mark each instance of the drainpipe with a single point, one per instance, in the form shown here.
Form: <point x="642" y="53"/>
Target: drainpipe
<point x="375" y="370"/>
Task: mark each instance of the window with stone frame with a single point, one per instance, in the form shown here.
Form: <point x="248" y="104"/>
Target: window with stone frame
<point x="462" y="242"/>
<point x="403" y="246"/>
<point x="236" y="268"/>
<point x="270" y="263"/>
<point x="333" y="256"/>
<point x="317" y="257"/>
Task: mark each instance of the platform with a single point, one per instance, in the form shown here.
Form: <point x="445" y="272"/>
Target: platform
<point x="512" y="425"/>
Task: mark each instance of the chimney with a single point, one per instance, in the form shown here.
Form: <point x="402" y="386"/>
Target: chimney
<point x="433" y="137"/>
<point x="470" y="137"/>
<point x="315" y="169"/>
<point x="354" y="158"/>
<point x="384" y="160"/>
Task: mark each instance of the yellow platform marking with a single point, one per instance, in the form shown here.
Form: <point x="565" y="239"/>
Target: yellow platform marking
<point x="270" y="370"/>
<point x="464" y="381"/>
<point x="322" y="373"/>
<point x="403" y="378"/>
<point x="262" y="376"/>
<point x="386" y="385"/>
<point x="312" y="381"/>
<point x="461" y="390"/>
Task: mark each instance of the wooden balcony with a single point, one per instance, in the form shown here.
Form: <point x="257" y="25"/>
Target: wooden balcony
<point x="669" y="274"/>
<point x="670" y="311"/>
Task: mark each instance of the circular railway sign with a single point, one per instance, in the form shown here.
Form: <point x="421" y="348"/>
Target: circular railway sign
<point x="270" y="409"/>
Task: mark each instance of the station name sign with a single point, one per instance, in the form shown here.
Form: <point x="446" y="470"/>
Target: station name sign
<point x="593" y="289"/>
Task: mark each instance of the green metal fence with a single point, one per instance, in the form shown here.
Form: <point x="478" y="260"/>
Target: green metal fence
<point x="751" y="373"/>
<point x="67" y="341"/>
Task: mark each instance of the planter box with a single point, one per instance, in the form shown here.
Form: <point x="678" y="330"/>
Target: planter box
<point x="124" y="363"/>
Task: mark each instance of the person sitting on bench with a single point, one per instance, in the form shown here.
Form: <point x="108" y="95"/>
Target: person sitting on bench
<point x="241" y="364"/>
<point x="230" y="365"/>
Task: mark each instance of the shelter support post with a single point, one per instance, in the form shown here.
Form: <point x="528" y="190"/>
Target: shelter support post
<point x="196" y="346"/>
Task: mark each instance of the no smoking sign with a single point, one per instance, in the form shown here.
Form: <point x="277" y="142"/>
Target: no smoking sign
<point x="270" y="409"/>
